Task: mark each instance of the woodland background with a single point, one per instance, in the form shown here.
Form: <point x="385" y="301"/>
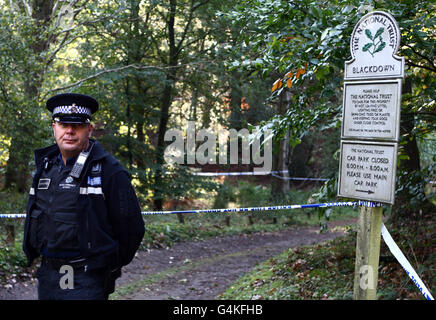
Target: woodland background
<point x="154" y="65"/>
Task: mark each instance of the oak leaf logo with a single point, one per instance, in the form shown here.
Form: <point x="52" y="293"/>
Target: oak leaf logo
<point x="377" y="43"/>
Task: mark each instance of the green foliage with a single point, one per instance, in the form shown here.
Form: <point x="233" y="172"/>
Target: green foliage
<point x="305" y="44"/>
<point x="12" y="202"/>
<point x="12" y="258"/>
<point x="177" y="183"/>
<point x="113" y="52"/>
<point x="414" y="185"/>
<point x="225" y="194"/>
<point x="249" y="194"/>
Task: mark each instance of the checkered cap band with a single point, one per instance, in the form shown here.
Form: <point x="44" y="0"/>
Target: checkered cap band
<point x="73" y="109"/>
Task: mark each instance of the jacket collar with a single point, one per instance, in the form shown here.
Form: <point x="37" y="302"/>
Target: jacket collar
<point x="49" y="152"/>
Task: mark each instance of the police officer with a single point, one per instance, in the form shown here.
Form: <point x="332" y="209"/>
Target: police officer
<point x="83" y="216"/>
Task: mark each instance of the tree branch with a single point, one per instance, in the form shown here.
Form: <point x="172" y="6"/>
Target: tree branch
<point x="413" y="64"/>
<point x="433" y="66"/>
<point x="98" y="74"/>
<point x="188" y="23"/>
<point x="63" y="44"/>
<point x="118" y="69"/>
<point x="55" y="7"/>
<point x="28" y="8"/>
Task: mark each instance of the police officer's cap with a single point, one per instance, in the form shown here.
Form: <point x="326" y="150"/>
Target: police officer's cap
<point x="72" y="107"/>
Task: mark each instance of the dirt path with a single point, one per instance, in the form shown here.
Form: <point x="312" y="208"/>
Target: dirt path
<point x="196" y="270"/>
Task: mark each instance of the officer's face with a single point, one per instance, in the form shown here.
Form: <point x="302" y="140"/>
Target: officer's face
<point x="72" y="138"/>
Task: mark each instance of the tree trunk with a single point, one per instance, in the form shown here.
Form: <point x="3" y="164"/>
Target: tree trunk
<point x="167" y="98"/>
<point x="281" y="158"/>
<point x="298" y="164"/>
<point x="22" y="144"/>
<point x="175" y="49"/>
<point x="181" y="218"/>
<point x="10" y="234"/>
<point x="235" y="118"/>
<point x="17" y="168"/>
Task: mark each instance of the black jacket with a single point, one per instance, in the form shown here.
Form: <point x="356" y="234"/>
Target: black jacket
<point x="110" y="222"/>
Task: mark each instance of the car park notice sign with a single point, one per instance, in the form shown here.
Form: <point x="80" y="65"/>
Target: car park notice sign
<point x="368" y="170"/>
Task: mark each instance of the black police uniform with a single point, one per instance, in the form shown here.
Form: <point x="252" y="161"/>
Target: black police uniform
<point x="91" y="223"/>
<point x="54" y="228"/>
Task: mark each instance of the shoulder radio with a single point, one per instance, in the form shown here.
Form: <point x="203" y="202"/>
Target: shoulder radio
<point x="80" y="163"/>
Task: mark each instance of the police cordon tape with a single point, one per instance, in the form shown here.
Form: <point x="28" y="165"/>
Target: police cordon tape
<point x="405" y="263"/>
<point x="12" y="215"/>
<point x="298" y="178"/>
<point x="395" y="250"/>
<point x="257" y="173"/>
<point x="243" y="173"/>
<point x="269" y="208"/>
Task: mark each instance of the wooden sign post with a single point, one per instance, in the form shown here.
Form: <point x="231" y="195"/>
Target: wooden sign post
<point x="367" y="253"/>
<point x="369" y="136"/>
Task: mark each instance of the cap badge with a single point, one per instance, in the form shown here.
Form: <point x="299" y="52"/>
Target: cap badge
<point x="73" y="108"/>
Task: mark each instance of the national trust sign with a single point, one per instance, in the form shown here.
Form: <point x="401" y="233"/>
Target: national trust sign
<point x="375" y="36"/>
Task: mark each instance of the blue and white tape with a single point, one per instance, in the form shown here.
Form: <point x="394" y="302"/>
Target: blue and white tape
<point x="257" y="173"/>
<point x="270" y="208"/>
<point x="244" y="173"/>
<point x="12" y="215"/>
<point x="251" y="209"/>
<point x="405" y="263"/>
<point x="298" y="178"/>
<point x="369" y="204"/>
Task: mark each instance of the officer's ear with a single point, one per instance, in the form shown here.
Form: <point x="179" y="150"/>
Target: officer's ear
<point x="90" y="130"/>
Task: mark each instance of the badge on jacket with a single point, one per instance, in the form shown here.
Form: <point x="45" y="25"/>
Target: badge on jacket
<point x="96" y="168"/>
<point x="67" y="184"/>
<point x="44" y="183"/>
<point x="94" y="181"/>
